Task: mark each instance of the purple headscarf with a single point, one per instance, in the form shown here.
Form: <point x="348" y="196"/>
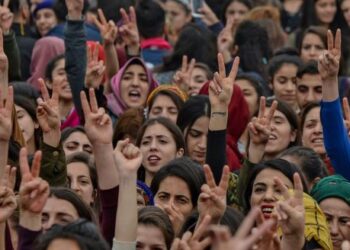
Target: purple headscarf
<point x="115" y="102"/>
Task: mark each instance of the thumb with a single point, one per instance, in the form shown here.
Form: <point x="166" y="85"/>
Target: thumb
<point x="121" y="144"/>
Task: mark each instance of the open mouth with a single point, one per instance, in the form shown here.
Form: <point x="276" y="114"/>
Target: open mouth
<point x="134" y="94"/>
<point x="267" y="210"/>
<point x="153" y="159"/>
<point x="317" y="140"/>
<point x="272" y="137"/>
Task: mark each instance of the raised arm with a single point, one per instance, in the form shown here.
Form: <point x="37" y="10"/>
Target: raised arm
<point x="75" y="44"/>
<point x="53" y="163"/>
<point x="335" y="135"/>
<point x="128" y="160"/>
<point x="220" y="94"/>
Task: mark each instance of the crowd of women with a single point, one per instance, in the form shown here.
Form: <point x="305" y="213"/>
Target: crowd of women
<point x="154" y="124"/>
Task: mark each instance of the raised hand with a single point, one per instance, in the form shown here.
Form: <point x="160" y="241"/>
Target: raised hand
<point x="260" y="127"/>
<point x="328" y="63"/>
<point x="8" y="201"/>
<point x="48" y="109"/>
<point x="198" y="240"/>
<point x="212" y="200"/>
<point x="225" y="41"/>
<point x="128" y="158"/>
<point x="6" y="17"/>
<point x="182" y="77"/>
<point x="4" y="67"/>
<point x="243" y="239"/>
<point x="98" y="124"/>
<point x="221" y="88"/>
<point x="129" y="31"/>
<point x="6" y="115"/>
<point x="95" y="68"/>
<point x="176" y="217"/>
<point x="290" y="212"/>
<point x="207" y="15"/>
<point x="108" y="30"/>
<point x="34" y="191"/>
<point x="75" y="9"/>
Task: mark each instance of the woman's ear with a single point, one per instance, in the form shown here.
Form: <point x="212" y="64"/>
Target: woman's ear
<point x="293" y="135"/>
<point x="180" y="153"/>
<point x="48" y="84"/>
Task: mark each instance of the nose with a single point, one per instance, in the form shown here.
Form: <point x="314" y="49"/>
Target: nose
<point x="269" y="195"/>
<point x="334" y="228"/>
<point x="202" y="144"/>
<point x="135" y="81"/>
<point x="48" y="224"/>
<point x="74" y="185"/>
<point x="290" y="86"/>
<point x="153" y="145"/>
<point x="309" y="97"/>
<point x="313" y="51"/>
<point x="318" y="128"/>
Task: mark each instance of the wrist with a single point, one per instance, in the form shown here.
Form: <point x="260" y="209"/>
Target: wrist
<point x="30" y="220"/>
<point x="52" y="138"/>
<point x="75" y="15"/>
<point x="133" y="50"/>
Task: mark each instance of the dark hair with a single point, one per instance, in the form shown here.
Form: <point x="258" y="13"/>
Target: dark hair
<point x="187" y="44"/>
<point x="83" y="210"/>
<point x="185" y="169"/>
<point x="25" y="89"/>
<point x="52" y="65"/>
<point x="291" y="116"/>
<point x="150" y="19"/>
<point x="191" y="111"/>
<point x="319" y="31"/>
<point x="309" y="161"/>
<point x="227" y="3"/>
<point x="111" y="9"/>
<point x="232" y="218"/>
<point x="253" y="81"/>
<point x="154" y="216"/>
<point x="84" y="233"/>
<point x="277" y="63"/>
<point x="309" y="16"/>
<point x="290" y="51"/>
<point x="30" y="106"/>
<point x="286" y="168"/>
<point x="185" y="7"/>
<point x="253" y="47"/>
<point x="308" y="68"/>
<point x="85" y="158"/>
<point x="169" y="93"/>
<point x="70" y="130"/>
<point x="61" y="11"/>
<point x="310" y="106"/>
<point x="128" y="123"/>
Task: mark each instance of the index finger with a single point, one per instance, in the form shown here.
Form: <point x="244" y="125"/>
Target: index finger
<point x="330" y="42"/>
<point x="346" y="109"/>
<point x="284" y="189"/>
<point x="6" y="3"/>
<point x="202" y="228"/>
<point x="221" y="64"/>
<point x="93" y="101"/>
<point x="23" y="162"/>
<point x="36" y="164"/>
<point x="234" y="69"/>
<point x="262" y="107"/>
<point x="9" y="100"/>
<point x="43" y="89"/>
<point x="298" y="187"/>
<point x="125" y="16"/>
<point x="272" y="110"/>
<point x="84" y="104"/>
<point x="209" y="176"/>
<point x="132" y="14"/>
<point x="5" y="177"/>
<point x="95" y="52"/>
<point x="225" y="178"/>
<point x="247" y="223"/>
<point x="1" y="41"/>
<point x="102" y="16"/>
<point x="338" y="40"/>
<point x="184" y="64"/>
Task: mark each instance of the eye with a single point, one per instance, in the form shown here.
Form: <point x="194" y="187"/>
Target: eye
<point x="182" y="200"/>
<point x="194" y="133"/>
<point x="259" y="190"/>
<point x="145" y="142"/>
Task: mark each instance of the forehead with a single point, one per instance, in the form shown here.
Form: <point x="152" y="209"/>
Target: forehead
<point x="136" y="69"/>
<point x="313" y="114"/>
<point x="175" y="186"/>
<point x="312" y="38"/>
<point x="157" y="129"/>
<point x="56" y="205"/>
<point x="199" y="71"/>
<point x="266" y="177"/>
<point x="335" y="206"/>
<point x="202" y="124"/>
<point x="78" y="168"/>
<point x="78" y="137"/>
<point x="150" y="235"/>
<point x="163" y="100"/>
<point x="287" y="69"/>
<point x="310" y="80"/>
<point x="244" y="84"/>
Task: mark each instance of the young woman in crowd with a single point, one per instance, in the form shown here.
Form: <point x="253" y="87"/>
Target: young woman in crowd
<point x="165" y="101"/>
<point x="312" y="42"/>
<point x="235" y="9"/>
<point x="44" y="17"/>
<point x="75" y="140"/>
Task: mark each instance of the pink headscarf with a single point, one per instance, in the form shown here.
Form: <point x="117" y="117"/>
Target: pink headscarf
<point x="45" y="49"/>
<point x="115" y="102"/>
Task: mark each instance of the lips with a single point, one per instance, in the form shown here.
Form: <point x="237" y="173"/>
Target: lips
<point x="134" y="94"/>
<point x="272" y="137"/>
<point x="153" y="159"/>
<point x="267" y="210"/>
<point x="318" y="140"/>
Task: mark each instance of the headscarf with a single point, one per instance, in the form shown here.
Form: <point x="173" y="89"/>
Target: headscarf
<point x="45" y="4"/>
<point x="45" y="49"/>
<point x="335" y="186"/>
<point x="172" y="88"/>
<point x="115" y="102"/>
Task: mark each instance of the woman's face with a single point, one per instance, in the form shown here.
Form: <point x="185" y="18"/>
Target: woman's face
<point x="281" y="134"/>
<point x="26" y="124"/>
<point x="134" y="86"/>
<point x="150" y="237"/>
<point x="236" y="10"/>
<point x="198" y="78"/>
<point x="80" y="182"/>
<point x="325" y="10"/>
<point x="163" y="106"/>
<point x="77" y="142"/>
<point x="174" y="193"/>
<point x="345" y="8"/>
<point x="158" y="147"/>
<point x="284" y="83"/>
<point x="250" y="95"/>
<point x="311" y="47"/>
<point x="337" y="213"/>
<point x="196" y="139"/>
<point x="312" y="136"/>
<point x="265" y="192"/>
<point x="176" y="15"/>
<point x="58" y="211"/>
<point x="45" y="20"/>
<point x="59" y="77"/>
<point x="61" y="243"/>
